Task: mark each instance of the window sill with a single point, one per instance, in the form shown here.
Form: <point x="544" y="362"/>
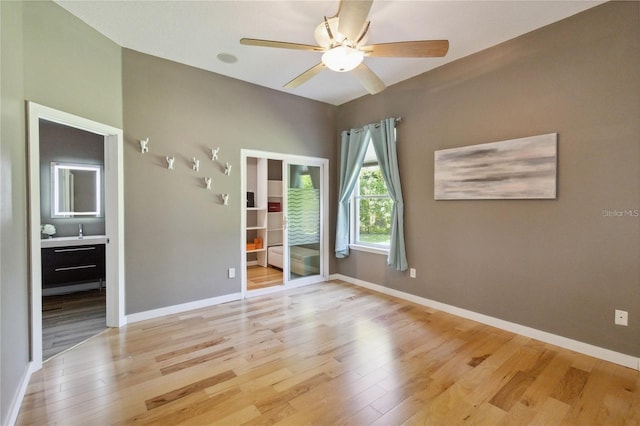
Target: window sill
<point x="369" y="249"/>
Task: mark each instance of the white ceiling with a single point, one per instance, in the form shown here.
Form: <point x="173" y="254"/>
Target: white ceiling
<point x="195" y="32"/>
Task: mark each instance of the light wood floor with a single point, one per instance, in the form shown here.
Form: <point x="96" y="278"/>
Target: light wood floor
<point x="68" y="319"/>
<point x="261" y="277"/>
<point x="326" y="354"/>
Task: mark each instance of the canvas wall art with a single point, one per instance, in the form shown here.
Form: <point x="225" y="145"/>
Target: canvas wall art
<point x="523" y="168"/>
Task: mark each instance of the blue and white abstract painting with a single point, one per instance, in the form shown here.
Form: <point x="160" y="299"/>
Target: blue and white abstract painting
<point x="523" y="168"/>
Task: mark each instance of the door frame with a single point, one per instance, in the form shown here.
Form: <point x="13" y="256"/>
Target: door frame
<point x="113" y="213"/>
<point x="324" y="215"/>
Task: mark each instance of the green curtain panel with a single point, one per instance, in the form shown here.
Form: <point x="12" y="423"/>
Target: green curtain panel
<point x="353" y="149"/>
<point x="383" y="137"/>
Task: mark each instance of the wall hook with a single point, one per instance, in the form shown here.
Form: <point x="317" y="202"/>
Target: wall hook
<point x="227" y="169"/>
<point x="214" y="153"/>
<point x="170" y="161"/>
<point x="196" y="165"/>
<point x="225" y="199"/>
<point x="144" y="145"/>
<point x="207" y="183"/>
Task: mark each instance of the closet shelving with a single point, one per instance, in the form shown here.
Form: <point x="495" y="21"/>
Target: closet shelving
<point x="260" y="222"/>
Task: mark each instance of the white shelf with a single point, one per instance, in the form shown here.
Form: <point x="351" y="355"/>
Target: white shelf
<point x="274" y="188"/>
<point x="269" y="226"/>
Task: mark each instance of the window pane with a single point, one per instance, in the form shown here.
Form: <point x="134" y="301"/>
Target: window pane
<point x="375" y="220"/>
<point x="371" y="181"/>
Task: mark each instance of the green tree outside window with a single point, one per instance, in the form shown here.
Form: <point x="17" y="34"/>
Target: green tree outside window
<point x="374" y="207"/>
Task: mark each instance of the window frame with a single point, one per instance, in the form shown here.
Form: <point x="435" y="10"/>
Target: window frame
<point x="354" y="219"/>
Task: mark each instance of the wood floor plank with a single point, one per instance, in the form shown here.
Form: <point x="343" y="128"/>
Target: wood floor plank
<point x="329" y="353"/>
<point x="260" y="277"/>
<point x="487" y="414"/>
<point x="571" y="385"/>
<point x="186" y="390"/>
<point x="69" y="319"/>
<point x="273" y="416"/>
<point x="552" y="412"/>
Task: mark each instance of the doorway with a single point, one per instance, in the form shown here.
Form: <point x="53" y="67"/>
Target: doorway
<point x="113" y="218"/>
<point x="285" y="239"/>
<point x="71" y="206"/>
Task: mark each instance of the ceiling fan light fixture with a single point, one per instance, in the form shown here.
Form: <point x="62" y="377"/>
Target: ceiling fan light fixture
<point x="342" y="58"/>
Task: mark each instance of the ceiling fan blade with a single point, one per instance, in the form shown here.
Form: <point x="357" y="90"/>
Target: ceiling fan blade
<point x="408" y="49"/>
<point x="369" y="79"/>
<point x="352" y="16"/>
<point x="280" y="44"/>
<point x="302" y="78"/>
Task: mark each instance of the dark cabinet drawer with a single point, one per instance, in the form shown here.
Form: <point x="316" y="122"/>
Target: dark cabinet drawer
<point x="71" y="265"/>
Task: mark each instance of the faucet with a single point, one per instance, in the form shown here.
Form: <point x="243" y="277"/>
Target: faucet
<point x="80" y="231"/>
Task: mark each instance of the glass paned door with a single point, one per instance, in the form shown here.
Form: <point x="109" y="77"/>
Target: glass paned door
<point x="304" y="226"/>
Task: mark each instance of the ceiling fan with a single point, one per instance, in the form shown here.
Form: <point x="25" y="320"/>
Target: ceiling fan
<point x="342" y="39"/>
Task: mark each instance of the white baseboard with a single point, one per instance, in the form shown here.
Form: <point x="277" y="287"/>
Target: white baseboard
<point x="554" y="339"/>
<point x="184" y="307"/>
<point x="176" y="309"/>
<point x="16" y="402"/>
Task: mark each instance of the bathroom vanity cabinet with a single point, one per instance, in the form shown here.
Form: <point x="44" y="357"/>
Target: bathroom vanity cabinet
<point x="74" y="264"/>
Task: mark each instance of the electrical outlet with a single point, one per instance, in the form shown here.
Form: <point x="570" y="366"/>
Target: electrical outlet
<point x="622" y="317"/>
<point x="232" y="272"/>
<point x="412" y="272"/>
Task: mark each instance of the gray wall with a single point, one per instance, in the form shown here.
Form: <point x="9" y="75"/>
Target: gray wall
<point x="180" y="240"/>
<point x="70" y="66"/>
<point x="555" y="265"/>
<point x="52" y="58"/>
<point x="65" y="144"/>
<point x="14" y="325"/>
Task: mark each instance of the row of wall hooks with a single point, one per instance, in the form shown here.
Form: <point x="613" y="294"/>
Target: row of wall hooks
<point x="144" y="148"/>
<point x="196" y="165"/>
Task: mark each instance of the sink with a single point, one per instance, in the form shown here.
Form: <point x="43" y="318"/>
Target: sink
<point x="73" y="241"/>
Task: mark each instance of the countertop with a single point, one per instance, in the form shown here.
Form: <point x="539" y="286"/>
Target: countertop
<point x="73" y="241"/>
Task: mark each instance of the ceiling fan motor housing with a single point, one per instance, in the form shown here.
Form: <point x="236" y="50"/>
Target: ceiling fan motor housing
<point x="324" y="39"/>
<point x="342" y="54"/>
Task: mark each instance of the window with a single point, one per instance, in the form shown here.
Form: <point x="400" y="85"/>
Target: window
<point x="371" y="206"/>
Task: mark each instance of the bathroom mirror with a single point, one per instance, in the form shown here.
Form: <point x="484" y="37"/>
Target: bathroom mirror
<point x="76" y="190"/>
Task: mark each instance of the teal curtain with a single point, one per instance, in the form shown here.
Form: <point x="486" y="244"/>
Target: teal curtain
<point x="352" y="151"/>
<point x="383" y="137"/>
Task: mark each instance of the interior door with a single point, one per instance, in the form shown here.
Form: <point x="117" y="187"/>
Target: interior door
<point x="304" y="225"/>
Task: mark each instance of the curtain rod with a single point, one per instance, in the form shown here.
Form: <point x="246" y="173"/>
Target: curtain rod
<point x="398" y="120"/>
